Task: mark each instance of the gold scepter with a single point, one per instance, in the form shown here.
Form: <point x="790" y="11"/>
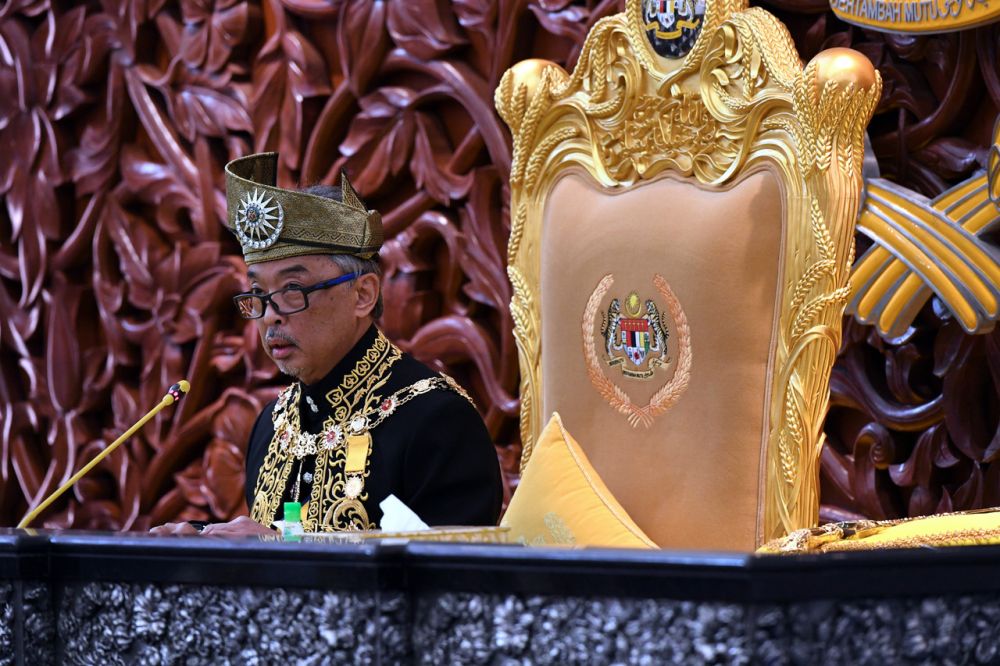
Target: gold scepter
<point x="174" y="393"/>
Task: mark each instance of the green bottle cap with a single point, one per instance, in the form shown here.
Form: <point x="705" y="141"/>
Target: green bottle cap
<point x="293" y="512"/>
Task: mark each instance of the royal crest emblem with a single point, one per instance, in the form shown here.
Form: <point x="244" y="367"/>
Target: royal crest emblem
<point x="259" y="220"/>
<point x="673" y="26"/>
<point x="637" y="340"/>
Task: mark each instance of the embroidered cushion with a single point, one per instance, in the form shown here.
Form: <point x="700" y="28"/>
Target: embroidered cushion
<point x="961" y="529"/>
<point x="980" y="527"/>
<point x="562" y="501"/>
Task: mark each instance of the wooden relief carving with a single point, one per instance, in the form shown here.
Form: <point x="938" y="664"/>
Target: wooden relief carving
<point x="115" y="273"/>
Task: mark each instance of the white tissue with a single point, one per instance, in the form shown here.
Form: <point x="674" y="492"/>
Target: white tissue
<point x="397" y="517"/>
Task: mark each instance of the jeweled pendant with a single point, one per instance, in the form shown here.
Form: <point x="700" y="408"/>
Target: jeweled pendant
<point x="353" y="487"/>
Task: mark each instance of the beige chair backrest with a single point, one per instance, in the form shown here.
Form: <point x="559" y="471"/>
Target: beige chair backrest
<point x="683" y="211"/>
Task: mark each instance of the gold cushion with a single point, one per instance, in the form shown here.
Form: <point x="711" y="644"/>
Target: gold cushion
<point x="562" y="501"/>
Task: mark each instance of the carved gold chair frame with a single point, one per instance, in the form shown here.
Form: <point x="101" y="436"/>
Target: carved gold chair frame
<point x="739" y="99"/>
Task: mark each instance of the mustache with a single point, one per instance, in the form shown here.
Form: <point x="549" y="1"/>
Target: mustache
<point x="274" y="335"/>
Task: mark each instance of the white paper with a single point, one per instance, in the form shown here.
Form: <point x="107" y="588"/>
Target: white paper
<point x="397" y="517"/>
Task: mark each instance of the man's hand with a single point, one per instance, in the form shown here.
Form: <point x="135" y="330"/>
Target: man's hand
<point x="241" y="526"/>
<point x="170" y="529"/>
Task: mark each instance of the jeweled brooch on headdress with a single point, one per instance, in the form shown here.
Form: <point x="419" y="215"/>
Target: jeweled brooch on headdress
<point x="259" y="220"/>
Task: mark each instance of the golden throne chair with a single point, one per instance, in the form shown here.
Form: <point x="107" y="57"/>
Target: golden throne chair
<point x="683" y="209"/>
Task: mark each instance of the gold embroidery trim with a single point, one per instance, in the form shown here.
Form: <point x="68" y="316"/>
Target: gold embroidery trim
<point x="343" y="498"/>
<point x="272" y="479"/>
<point x="354" y="394"/>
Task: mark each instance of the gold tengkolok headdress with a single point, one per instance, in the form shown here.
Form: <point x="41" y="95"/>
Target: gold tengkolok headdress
<point x="272" y="223"/>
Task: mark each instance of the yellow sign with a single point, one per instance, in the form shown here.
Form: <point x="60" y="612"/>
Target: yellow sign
<point x="916" y="15"/>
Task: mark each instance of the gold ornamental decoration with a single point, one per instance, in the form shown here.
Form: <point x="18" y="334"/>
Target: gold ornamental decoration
<point x="916" y="16"/>
<point x="930" y="246"/>
<point x="732" y="98"/>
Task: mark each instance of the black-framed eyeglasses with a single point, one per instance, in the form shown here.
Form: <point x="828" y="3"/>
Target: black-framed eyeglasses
<point x="284" y="301"/>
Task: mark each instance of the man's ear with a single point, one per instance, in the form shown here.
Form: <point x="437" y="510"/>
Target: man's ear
<point x="367" y="288"/>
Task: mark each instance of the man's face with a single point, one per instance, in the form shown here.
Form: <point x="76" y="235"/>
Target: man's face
<point x="307" y="344"/>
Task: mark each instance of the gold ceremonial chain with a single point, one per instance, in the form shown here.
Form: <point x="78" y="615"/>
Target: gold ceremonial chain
<point x="298" y="483"/>
<point x="301" y="444"/>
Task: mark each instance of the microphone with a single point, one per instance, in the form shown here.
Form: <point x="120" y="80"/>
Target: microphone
<point x="174" y="393"/>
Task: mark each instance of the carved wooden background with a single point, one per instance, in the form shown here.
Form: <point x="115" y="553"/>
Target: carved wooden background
<point x="117" y="116"/>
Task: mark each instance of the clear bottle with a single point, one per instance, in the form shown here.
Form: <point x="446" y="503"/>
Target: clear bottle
<point x="291" y="528"/>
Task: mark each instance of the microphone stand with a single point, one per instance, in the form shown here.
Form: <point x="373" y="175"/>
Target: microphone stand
<point x="175" y="393"/>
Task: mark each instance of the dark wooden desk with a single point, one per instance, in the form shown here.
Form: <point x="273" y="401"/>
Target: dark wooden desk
<point x="101" y="598"/>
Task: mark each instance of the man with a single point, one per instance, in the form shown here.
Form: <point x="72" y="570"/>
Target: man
<point x="361" y="420"/>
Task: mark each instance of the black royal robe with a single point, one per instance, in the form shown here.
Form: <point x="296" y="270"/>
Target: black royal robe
<point x="433" y="453"/>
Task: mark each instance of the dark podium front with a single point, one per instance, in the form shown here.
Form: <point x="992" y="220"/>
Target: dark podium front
<point x="89" y="598"/>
